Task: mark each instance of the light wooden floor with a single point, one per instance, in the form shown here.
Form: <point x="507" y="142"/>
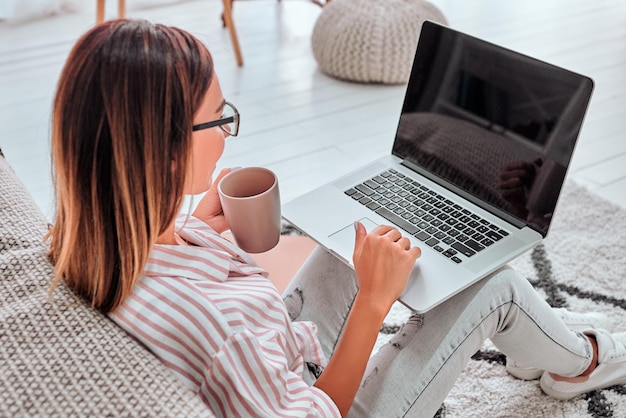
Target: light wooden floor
<point x="308" y="127"/>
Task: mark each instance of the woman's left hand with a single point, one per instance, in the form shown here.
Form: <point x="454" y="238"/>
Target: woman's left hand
<point x="209" y="209"/>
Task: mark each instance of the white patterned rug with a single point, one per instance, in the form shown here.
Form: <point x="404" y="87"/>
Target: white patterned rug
<point x="579" y="266"/>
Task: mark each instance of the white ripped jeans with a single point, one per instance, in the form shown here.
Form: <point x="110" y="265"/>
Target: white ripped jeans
<point x="413" y="373"/>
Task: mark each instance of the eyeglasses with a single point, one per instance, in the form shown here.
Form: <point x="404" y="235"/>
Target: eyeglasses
<point x="228" y="122"/>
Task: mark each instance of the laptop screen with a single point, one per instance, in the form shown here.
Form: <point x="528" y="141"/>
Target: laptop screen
<point x="498" y="126"/>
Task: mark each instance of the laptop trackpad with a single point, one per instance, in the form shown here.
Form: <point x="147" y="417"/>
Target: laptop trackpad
<point x="345" y="236"/>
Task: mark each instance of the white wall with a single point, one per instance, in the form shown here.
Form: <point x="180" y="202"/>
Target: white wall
<point x="17" y="11"/>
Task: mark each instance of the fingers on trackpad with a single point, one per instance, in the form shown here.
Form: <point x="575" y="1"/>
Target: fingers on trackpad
<point x="345" y="236"/>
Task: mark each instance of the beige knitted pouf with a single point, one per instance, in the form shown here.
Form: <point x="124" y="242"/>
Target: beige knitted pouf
<point x="370" y="41"/>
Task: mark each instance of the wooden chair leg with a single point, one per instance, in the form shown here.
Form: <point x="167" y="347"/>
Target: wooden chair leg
<point x="100" y="11"/>
<point x="121" y="8"/>
<point x="228" y="20"/>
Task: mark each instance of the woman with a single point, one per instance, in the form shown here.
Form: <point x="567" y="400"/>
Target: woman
<point x="139" y="121"/>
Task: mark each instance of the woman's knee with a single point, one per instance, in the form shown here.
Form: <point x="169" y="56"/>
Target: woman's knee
<point x="509" y="281"/>
<point x="321" y="275"/>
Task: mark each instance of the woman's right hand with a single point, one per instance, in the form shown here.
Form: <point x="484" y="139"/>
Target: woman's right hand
<point x="383" y="260"/>
<point x="210" y="210"/>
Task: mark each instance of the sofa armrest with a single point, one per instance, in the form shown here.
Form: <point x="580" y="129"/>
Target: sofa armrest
<point x="58" y="356"/>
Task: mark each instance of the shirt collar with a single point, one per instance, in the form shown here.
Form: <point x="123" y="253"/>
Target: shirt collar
<point x="210" y="256"/>
<point x="197" y="263"/>
<point x="196" y="232"/>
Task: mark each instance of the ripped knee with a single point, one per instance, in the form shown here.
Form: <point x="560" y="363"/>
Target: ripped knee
<point x="294" y="302"/>
<point x="406" y="333"/>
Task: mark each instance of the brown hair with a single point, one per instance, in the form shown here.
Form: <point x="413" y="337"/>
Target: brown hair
<point x="121" y="142"/>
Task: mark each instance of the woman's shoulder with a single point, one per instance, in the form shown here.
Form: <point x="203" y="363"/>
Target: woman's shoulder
<point x="189" y="262"/>
<point x="171" y="302"/>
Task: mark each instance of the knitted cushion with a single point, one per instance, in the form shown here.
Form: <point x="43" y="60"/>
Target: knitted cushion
<point x="370" y="40"/>
<point x="59" y="357"/>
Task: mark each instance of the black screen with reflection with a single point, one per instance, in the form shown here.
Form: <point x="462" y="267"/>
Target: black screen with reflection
<point x="498" y="125"/>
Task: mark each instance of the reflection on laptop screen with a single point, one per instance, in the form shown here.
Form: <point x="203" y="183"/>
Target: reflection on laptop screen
<point x="498" y="125"/>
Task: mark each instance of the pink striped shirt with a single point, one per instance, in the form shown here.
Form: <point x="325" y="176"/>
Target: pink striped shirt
<point x="215" y="320"/>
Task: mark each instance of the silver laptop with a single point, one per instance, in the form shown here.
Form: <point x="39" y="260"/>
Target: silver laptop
<point x="483" y="144"/>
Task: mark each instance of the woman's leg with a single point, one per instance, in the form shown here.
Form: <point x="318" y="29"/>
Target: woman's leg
<point x="322" y="291"/>
<point x="413" y="374"/>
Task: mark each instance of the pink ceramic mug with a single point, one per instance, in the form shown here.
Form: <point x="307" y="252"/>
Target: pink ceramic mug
<point x="251" y="203"/>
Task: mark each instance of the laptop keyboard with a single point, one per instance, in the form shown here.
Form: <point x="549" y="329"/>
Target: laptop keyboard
<point x="433" y="219"/>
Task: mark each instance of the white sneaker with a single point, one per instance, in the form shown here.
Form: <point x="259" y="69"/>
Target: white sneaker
<point x="610" y="371"/>
<point x="577" y="322"/>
